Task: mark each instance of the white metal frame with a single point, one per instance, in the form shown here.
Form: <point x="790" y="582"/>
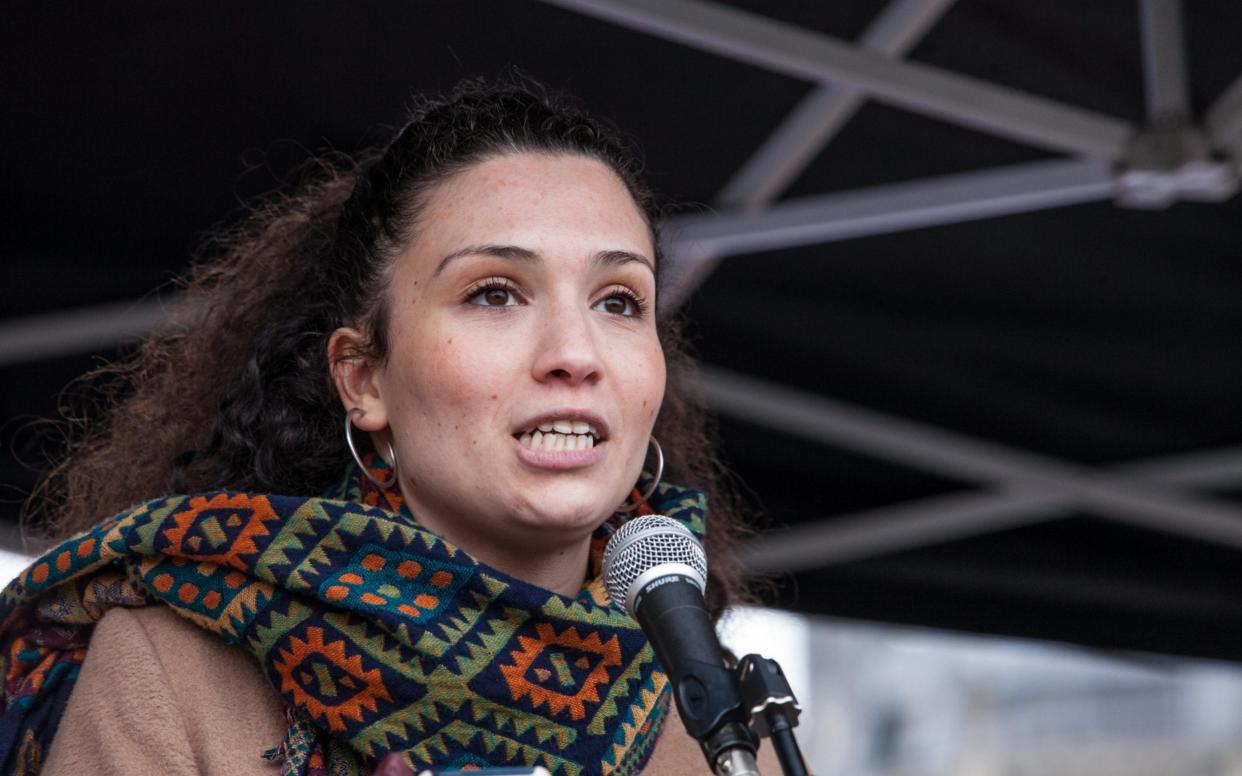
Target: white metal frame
<point x="1018" y="487"/>
<point x="1146" y="167"/>
<point x="1151" y="166"/>
<point x="81" y="330"/>
<point x="885" y="209"/>
<point x="1170" y="158"/>
<point x="801" y="53"/>
<point x="808" y="128"/>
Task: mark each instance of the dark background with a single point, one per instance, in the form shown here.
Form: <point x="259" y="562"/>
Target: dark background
<point x="1093" y="334"/>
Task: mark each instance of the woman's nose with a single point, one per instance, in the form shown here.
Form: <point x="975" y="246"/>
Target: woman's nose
<point x="568" y="350"/>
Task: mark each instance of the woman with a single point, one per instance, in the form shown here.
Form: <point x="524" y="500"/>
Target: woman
<point x="479" y="300"/>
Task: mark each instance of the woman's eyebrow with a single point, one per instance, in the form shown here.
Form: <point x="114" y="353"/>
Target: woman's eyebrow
<point x="516" y="253"/>
<point x="614" y="258"/>
<point x="501" y="251"/>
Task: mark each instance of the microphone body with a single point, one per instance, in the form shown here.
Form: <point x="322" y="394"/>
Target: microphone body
<point x="671" y="611"/>
<point x="657" y="570"/>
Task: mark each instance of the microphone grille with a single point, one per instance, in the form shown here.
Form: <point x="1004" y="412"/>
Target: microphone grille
<point x="644" y="543"/>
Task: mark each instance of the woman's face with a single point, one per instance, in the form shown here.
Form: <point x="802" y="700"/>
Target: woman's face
<point x="523" y="309"/>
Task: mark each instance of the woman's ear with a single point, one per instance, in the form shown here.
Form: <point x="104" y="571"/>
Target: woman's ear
<point x="357" y="379"/>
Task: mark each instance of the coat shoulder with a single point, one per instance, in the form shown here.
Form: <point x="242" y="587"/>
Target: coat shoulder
<point x="158" y="691"/>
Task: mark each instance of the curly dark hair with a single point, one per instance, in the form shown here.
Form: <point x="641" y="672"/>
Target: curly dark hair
<point x="235" y="391"/>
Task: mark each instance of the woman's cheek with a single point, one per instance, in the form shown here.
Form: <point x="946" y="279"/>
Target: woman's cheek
<point x="659" y="377"/>
<point x="475" y="372"/>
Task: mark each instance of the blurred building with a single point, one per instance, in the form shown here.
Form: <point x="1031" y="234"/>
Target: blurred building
<point x="887" y="701"/>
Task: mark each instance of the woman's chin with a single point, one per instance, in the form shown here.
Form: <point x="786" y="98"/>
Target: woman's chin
<point x="561" y="512"/>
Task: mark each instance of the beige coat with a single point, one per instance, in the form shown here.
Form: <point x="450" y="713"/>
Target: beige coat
<point x="158" y="695"/>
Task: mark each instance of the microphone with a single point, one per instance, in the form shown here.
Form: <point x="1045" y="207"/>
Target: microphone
<point x="656" y="569"/>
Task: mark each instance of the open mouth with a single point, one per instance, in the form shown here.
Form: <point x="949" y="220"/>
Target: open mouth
<point x="560" y="435"/>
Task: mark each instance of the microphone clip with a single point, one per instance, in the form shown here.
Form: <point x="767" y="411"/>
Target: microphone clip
<point x="770" y="702"/>
<point x="707" y="697"/>
<point x="772" y="709"/>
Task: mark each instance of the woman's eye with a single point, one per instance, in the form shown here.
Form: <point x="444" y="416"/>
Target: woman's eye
<point x="618" y="304"/>
<point x="494" y="297"/>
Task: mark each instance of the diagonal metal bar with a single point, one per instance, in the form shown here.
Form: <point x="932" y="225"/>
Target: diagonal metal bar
<point x="1033" y="483"/>
<point x="886" y="530"/>
<point x="1223" y="120"/>
<point x="1200" y="469"/>
<point x="823" y="112"/>
<point x="82" y="330"/>
<point x="890" y="529"/>
<point x="947" y="199"/>
<point x="815" y="57"/>
<point x="884" y="209"/>
<point x="924" y="522"/>
<point x="927" y="448"/>
<point x="1164" y="61"/>
<point x="1148" y="506"/>
<point x="808" y="128"/>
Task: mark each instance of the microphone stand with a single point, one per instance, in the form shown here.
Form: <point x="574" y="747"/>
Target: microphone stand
<point x="772" y="708"/>
<point x="656" y="568"/>
<point x="713" y="712"/>
<point x="729" y="709"/>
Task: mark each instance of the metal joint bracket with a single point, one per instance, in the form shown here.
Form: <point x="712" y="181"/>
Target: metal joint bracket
<point x="1171" y="161"/>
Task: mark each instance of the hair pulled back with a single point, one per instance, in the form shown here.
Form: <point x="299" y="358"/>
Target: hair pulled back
<point x="234" y="391"/>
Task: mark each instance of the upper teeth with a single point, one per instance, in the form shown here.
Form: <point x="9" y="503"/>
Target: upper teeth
<point x="569" y="427"/>
<point x="561" y="435"/>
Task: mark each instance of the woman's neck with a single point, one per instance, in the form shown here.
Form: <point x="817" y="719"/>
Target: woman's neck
<point x="561" y="569"/>
<point x="552" y="561"/>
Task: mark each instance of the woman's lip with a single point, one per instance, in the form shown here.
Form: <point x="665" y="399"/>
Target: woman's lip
<point x="560" y="459"/>
<point x="567" y="413"/>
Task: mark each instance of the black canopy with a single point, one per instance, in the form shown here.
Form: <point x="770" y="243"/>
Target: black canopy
<point x="966" y="282"/>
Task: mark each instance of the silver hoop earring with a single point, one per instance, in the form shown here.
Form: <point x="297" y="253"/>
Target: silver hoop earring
<point x="655" y="481"/>
<point x="349" y="440"/>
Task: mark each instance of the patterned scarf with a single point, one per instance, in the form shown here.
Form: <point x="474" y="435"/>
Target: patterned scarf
<point x="379" y="635"/>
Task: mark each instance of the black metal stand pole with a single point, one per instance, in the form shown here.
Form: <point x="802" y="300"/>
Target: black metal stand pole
<point x="788" y="753"/>
<point x="772" y="708"/>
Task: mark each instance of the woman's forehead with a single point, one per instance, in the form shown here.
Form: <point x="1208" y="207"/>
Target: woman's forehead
<point x="541" y="203"/>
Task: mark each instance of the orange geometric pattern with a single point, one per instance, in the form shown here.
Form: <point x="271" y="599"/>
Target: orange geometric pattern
<point x="248" y="512"/>
<point x="367" y="686"/>
<point x="385" y="582"/>
<point x="379" y="635"/>
<point x="609" y="655"/>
